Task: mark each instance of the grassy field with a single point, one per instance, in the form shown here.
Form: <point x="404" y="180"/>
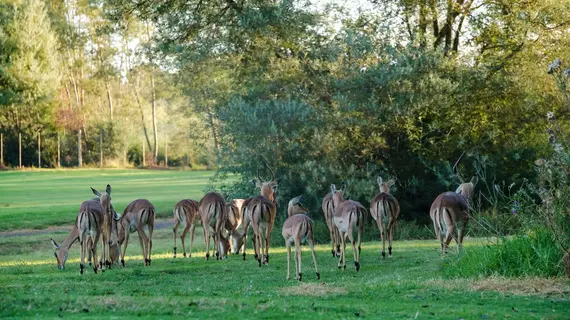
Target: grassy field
<point x="409" y="286"/>
<point x="36" y="199"/>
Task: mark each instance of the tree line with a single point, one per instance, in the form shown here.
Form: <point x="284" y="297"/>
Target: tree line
<point x="321" y="95"/>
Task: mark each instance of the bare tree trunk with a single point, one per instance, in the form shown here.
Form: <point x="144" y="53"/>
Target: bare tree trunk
<point x="142" y="114"/>
<point x="109" y="98"/>
<point x="58" y="151"/>
<point x="154" y="122"/>
<point x="39" y="150"/>
<point x="79" y="155"/>
<point x="101" y="148"/>
<point x="214" y="132"/>
<point x="1" y="149"/>
<point x="166" y="152"/>
<point x="20" y="150"/>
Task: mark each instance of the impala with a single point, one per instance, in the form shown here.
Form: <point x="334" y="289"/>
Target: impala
<point x="260" y="212"/>
<point x="348" y="214"/>
<point x="186" y="211"/>
<point x="62" y="250"/>
<point x="213" y="214"/>
<point x="89" y="224"/>
<point x="135" y="217"/>
<point x="296" y="228"/>
<point x="328" y="210"/>
<point x="385" y="209"/>
<point x="450" y="210"/>
<point x="105" y="200"/>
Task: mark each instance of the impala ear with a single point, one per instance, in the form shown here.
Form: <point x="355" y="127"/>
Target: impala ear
<point x="391" y="182"/>
<point x="96" y="192"/>
<point x="116" y="216"/>
<point x="300" y="198"/>
<point x="333" y="188"/>
<point x="342" y="187"/>
<point x="256" y="183"/>
<point x="54" y="243"/>
<point x="108" y="189"/>
<point x="458" y="190"/>
<point x="474" y="180"/>
<point x="379" y="179"/>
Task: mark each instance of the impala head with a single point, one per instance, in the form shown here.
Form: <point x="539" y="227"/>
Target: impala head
<point x="104" y="198"/>
<point x="337" y="195"/>
<point x="60" y="254"/>
<point x="224" y="247"/>
<point x="385" y="186"/>
<point x="296" y="206"/>
<point x="268" y="188"/>
<point x="237" y="241"/>
<point x="465" y="188"/>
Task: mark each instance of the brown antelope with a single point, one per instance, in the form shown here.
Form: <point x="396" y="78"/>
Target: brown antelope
<point x="298" y="227"/>
<point x="385" y="209"/>
<point x="186" y="212"/>
<point x="213" y="212"/>
<point x="135" y="217"/>
<point x="328" y="210"/>
<point x="62" y="250"/>
<point x="106" y="228"/>
<point x="450" y="210"/>
<point x="348" y="214"/>
<point x="89" y="224"/>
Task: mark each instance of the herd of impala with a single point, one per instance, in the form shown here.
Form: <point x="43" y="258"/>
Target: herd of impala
<point x="98" y="221"/>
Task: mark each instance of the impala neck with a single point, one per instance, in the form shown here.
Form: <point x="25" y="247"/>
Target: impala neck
<point x="71" y="238"/>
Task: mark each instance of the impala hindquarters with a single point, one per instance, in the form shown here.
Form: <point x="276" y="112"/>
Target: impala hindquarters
<point x="89" y="227"/>
<point x="328" y="210"/>
<point x="213" y="212"/>
<point x="106" y="228"/>
<point x="263" y="212"/>
<point x="297" y="228"/>
<point x="185" y="212"/>
<point x="348" y="215"/>
<point x="385" y="209"/>
<point x="136" y="216"/>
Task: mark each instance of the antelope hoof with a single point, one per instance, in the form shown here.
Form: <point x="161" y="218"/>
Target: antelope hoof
<point x="383" y="254"/>
<point x="390" y="252"/>
<point x="333" y="253"/>
<point x="95" y="270"/>
<point x="256" y="256"/>
<point x="174" y="252"/>
<point x="244" y="256"/>
<point x="207" y="256"/>
<point x="90" y="264"/>
<point x="265" y="259"/>
<point x="122" y="262"/>
<point x="357" y="265"/>
<point x="184" y="254"/>
<point x="344" y="268"/>
<point x="300" y="276"/>
<point x="318" y="276"/>
<point x="217" y="256"/>
<point x="81" y="268"/>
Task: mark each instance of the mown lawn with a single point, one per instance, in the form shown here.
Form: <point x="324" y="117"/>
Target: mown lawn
<point x="36" y="199"/>
<point x="407" y="287"/>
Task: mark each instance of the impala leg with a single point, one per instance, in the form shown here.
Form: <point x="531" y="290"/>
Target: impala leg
<point x="143" y="239"/>
<point x="382" y="237"/>
<point x="206" y="229"/>
<point x="183" y="239"/>
<point x="437" y="231"/>
<point x="338" y="240"/>
<point x="82" y="255"/>
<point x="267" y="242"/>
<point x="311" y="244"/>
<point x="192" y="230"/>
<point x="340" y="257"/>
<point x="93" y="249"/>
<point x="332" y="235"/>
<point x="390" y="236"/>
<point x="359" y="239"/>
<point x="461" y="234"/>
<point x="448" y="238"/>
<point x="288" y="245"/>
<point x="343" y="252"/>
<point x="355" y="255"/>
<point x="256" y="242"/>
<point x="150" y="230"/>
<point x="176" y="224"/>
<point x="299" y="275"/>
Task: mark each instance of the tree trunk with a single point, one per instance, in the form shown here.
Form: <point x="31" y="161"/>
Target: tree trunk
<point x="154" y="122"/>
<point x="109" y="98"/>
<point x="142" y="114"/>
<point x="39" y="150"/>
<point x="79" y="155"/>
<point x="214" y="133"/>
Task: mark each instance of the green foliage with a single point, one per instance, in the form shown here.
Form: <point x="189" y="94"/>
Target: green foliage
<point x="532" y="254"/>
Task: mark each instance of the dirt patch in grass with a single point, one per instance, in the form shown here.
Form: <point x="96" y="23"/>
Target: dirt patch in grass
<point x="313" y="290"/>
<point x="519" y="286"/>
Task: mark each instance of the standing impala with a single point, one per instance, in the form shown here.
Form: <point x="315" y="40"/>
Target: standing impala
<point x="260" y="212"/>
<point x="450" y="210"/>
<point x="137" y="215"/>
<point x="213" y="213"/>
<point x="348" y="214"/>
<point x="185" y="212"/>
<point x="89" y="224"/>
<point x="385" y="209"/>
<point x="106" y="227"/>
<point x="328" y="210"/>
<point x="296" y="228"/>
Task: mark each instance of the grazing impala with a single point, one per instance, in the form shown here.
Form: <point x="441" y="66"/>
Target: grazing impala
<point x="348" y="214"/>
<point x="137" y="215"/>
<point x="106" y="227"/>
<point x="328" y="210"/>
<point x="450" y="210"/>
<point x="185" y="212"/>
<point x="385" y="209"/>
<point x="298" y="227"/>
<point x="62" y="250"/>
<point x="213" y="212"/>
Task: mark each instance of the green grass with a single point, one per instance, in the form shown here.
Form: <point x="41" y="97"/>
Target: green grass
<point x="406" y="287"/>
<point x="37" y="199"/>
